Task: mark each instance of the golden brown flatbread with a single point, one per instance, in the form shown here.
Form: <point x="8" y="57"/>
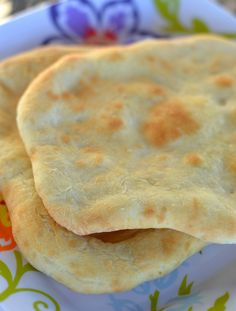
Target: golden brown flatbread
<point x="92" y="264"/>
<point x="138" y="137"/>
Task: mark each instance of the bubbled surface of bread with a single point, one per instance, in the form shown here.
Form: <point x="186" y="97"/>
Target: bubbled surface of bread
<point x="138" y="137"/>
<point x="106" y="262"/>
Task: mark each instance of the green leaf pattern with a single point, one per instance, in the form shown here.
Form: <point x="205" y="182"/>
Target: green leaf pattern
<point x="154" y="301"/>
<point x="13" y="282"/>
<point x="185" y="289"/>
<point x="6" y="273"/>
<point x="37" y="304"/>
<point x="169" y="10"/>
<point x="199" y="26"/>
<point x="220" y="303"/>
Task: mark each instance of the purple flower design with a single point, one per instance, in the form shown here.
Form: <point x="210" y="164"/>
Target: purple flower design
<point x="108" y="22"/>
<point x="117" y="21"/>
<point x="98" y="22"/>
<point x="77" y="21"/>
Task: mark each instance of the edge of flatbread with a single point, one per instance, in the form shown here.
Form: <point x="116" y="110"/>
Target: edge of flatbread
<point x="84" y="264"/>
<point x="86" y="189"/>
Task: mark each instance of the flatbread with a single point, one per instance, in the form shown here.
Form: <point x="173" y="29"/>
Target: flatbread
<point x="92" y="264"/>
<point x="138" y="137"/>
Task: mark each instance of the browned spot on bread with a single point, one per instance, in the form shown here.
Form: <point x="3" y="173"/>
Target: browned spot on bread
<point x="72" y="243"/>
<point x="187" y="245"/>
<point x="80" y="271"/>
<point x="25" y="244"/>
<point x="231" y="224"/>
<point x="158" y="90"/>
<point x="116" y="286"/>
<point x="120" y="88"/>
<point x="72" y="58"/>
<point x="188" y="69"/>
<point x="161" y="214"/>
<point x="84" y="90"/>
<point x="223" y="81"/>
<point x="79" y="127"/>
<point x="166" y="64"/>
<point x="94" y="79"/>
<point x="196" y="209"/>
<point x="151" y="59"/>
<point x="66" y="95"/>
<point x="115" y="56"/>
<point x="232" y="118"/>
<point x="193" y="159"/>
<point x="115" y="236"/>
<point x="90" y="149"/>
<point x="196" y="203"/>
<point x="231" y="162"/>
<point x="100" y="179"/>
<point x="51" y="252"/>
<point x="163" y="157"/>
<point x="92" y="159"/>
<point x="52" y="95"/>
<point x="66" y="138"/>
<point x="96" y="219"/>
<point x="167" y="122"/>
<point x="149" y="210"/>
<point x="96" y="159"/>
<point x="169" y="243"/>
<point x="118" y="105"/>
<point x="232" y="138"/>
<point x="215" y="65"/>
<point x="114" y="124"/>
<point x="80" y="163"/>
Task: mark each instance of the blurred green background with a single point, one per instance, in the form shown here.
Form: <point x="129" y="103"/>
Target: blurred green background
<point x="8" y="7"/>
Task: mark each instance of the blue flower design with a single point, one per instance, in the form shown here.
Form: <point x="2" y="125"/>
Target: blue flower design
<point x="81" y="20"/>
<point x="106" y="22"/>
<point x="117" y="21"/>
<point x="73" y="16"/>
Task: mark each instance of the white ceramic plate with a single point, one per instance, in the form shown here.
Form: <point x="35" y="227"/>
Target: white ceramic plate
<point x="207" y="280"/>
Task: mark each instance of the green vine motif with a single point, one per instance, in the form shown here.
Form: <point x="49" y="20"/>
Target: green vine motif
<point x="220" y="302"/>
<point x="37" y="303"/>
<point x="185" y="289"/>
<point x="169" y="10"/>
<point x="12" y="282"/>
<point x="154" y="301"/>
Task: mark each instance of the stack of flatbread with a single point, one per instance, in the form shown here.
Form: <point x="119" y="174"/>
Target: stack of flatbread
<point x="119" y="163"/>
